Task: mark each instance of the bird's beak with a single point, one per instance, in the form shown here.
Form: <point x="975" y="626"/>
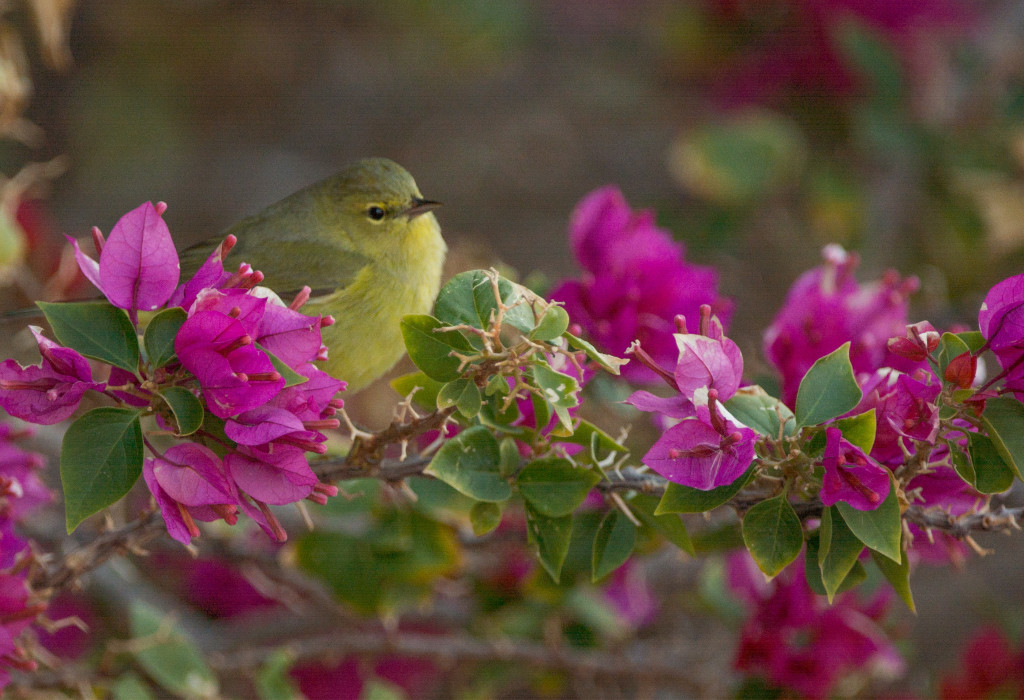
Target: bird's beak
<point x="420" y="206"/>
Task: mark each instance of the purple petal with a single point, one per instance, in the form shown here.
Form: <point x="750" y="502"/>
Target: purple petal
<point x="175" y="523"/>
<point x="139" y="266"/>
<point x="250" y="308"/>
<point x="210" y="274"/>
<point x="37" y="395"/>
<point x="261" y="425"/>
<point x="65" y="362"/>
<point x="89" y="267"/>
<point x="675" y="406"/>
<point x="192" y="475"/>
<point x="292" y="337"/>
<point x="689" y="453"/>
<point x="276" y="478"/>
<point x="704" y="362"/>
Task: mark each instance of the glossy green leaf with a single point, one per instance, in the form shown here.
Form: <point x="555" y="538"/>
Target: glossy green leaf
<point x="898" y="576"/>
<point x="97" y="330"/>
<point x="291" y="377"/>
<point x="554" y="487"/>
<point x="828" y="390"/>
<point x="552" y="324"/>
<point x="463" y="394"/>
<point x="484" y="517"/>
<point x="431" y="351"/>
<point x="495" y="414"/>
<point x="962" y="464"/>
<point x="773" y="534"/>
<point x="686" y="499"/>
<point x="1004" y="422"/>
<point x="425" y="388"/>
<point x="186" y="407"/>
<point x="160" y="334"/>
<point x="609" y="363"/>
<point x="859" y="430"/>
<point x="468" y="463"/>
<point x="100" y="460"/>
<point x="613" y="544"/>
<point x="879" y="529"/>
<point x="168" y="656"/>
<point x="812" y="570"/>
<point x="669" y="525"/>
<point x="838" y="551"/>
<point x="991" y="472"/>
<point x="761" y="412"/>
<point x="550" y="539"/>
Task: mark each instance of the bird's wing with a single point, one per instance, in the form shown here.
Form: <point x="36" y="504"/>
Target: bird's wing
<point x="292" y="265"/>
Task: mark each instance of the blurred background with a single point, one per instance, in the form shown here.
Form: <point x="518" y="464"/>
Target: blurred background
<point x="758" y="130"/>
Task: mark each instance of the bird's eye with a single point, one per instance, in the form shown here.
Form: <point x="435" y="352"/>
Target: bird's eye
<point x="375" y="213"/>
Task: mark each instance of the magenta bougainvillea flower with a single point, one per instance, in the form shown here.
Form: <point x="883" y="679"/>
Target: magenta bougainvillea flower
<point x="905" y="411"/>
<point x="49" y="392"/>
<point x="1001" y="321"/>
<point x="850" y="475"/>
<point x="796" y="640"/>
<point x="825" y="308"/>
<point x="234" y="375"/>
<point x="635" y="281"/>
<point x="705" y="449"/>
<point x="989" y="668"/>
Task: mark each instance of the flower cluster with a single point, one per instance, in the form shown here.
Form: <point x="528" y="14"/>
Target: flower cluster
<point x="825" y="308"/>
<point x="1001" y="321"/>
<point x="221" y="338"/>
<point x="990" y="668"/>
<point x="706" y="447"/>
<point x="636" y="280"/>
<point x="795" y="640"/>
<point x="21" y="492"/>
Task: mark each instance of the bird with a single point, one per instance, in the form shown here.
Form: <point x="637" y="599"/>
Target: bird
<point x="368" y="245"/>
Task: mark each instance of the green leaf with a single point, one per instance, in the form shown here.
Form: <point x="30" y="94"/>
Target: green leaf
<point x="130" y="687"/>
<point x="100" y="460"/>
<point x="686" y="499"/>
<point x="859" y="430"/>
<point x="613" y="544"/>
<point x="484" y="517"/>
<point x="431" y="351"/>
<point x="670" y="525"/>
<point x="755" y="408"/>
<point x="160" y="334"/>
<point x="560" y="390"/>
<point x="463" y="394"/>
<point x="898" y="576"/>
<point x="550" y="539"/>
<point x="1004" y="422"/>
<point x="609" y="363"/>
<point x="991" y="473"/>
<point x="962" y="464"/>
<point x="950" y="346"/>
<point x="974" y="339"/>
<point x="97" y="330"/>
<point x="773" y="534"/>
<point x="880" y="528"/>
<point x="426" y="388"/>
<point x="272" y="680"/>
<point x="168" y="656"/>
<point x="510" y="459"/>
<point x="187" y="409"/>
<point x="377" y="689"/>
<point x="469" y="463"/>
<point x="838" y="551"/>
<point x="542" y="411"/>
<point x="552" y="323"/>
<point x="468" y="298"/>
<point x="291" y="377"/>
<point x="495" y="414"/>
<point x="554" y="487"/>
<point x="828" y="390"/>
<point x="812" y="570"/>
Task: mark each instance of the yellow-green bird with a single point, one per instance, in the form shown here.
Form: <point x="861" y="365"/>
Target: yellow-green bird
<point x="367" y="244"/>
